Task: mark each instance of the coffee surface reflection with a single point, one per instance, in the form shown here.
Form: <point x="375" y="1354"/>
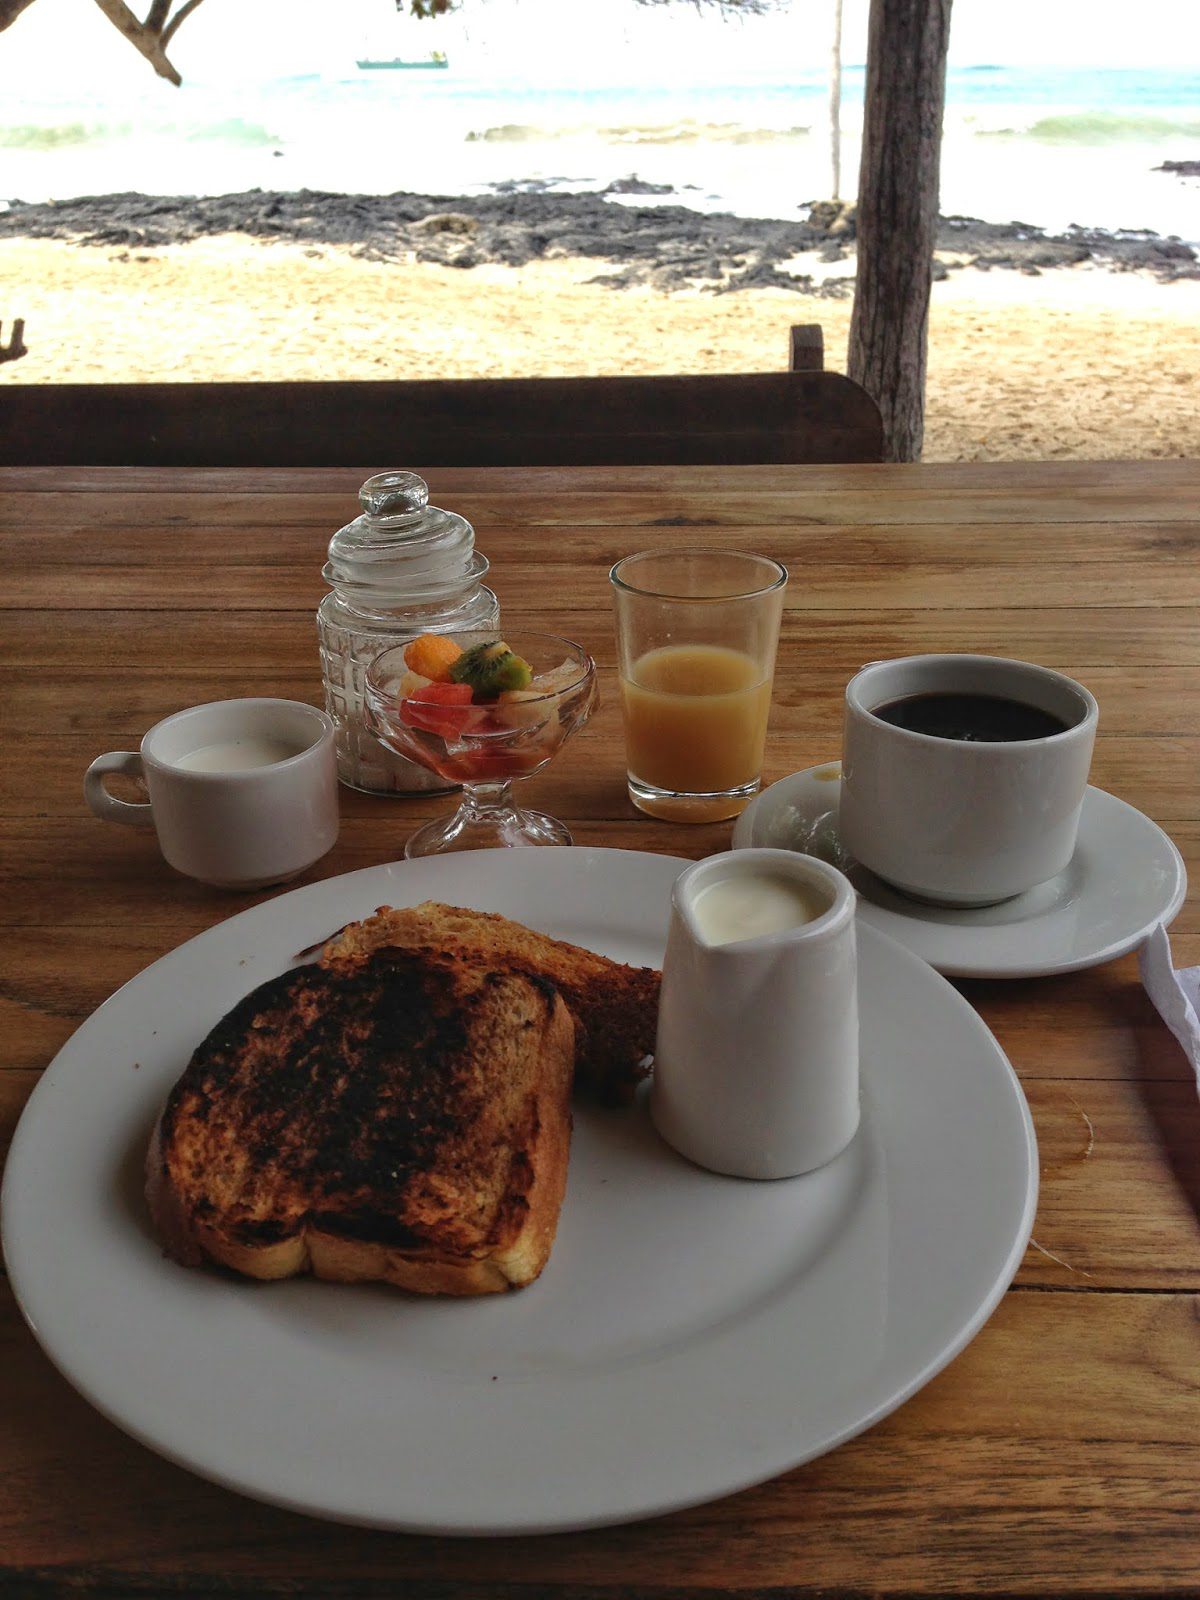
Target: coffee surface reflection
<point x="973" y="718"/>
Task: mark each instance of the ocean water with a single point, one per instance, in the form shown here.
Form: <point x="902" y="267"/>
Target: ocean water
<point x="1047" y="146"/>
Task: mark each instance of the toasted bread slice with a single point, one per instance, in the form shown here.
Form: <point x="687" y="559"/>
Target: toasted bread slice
<point x="615" y="1007"/>
<point x="406" y="1119"/>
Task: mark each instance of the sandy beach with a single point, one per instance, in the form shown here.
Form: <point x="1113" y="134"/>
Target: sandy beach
<point x="1077" y="361"/>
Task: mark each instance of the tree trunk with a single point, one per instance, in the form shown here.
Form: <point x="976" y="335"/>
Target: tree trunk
<point x="897" y="213"/>
<point x="835" y="103"/>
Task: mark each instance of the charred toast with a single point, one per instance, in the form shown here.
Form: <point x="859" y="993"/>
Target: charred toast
<point x="402" y="1118"/>
<point x="615" y="1007"/>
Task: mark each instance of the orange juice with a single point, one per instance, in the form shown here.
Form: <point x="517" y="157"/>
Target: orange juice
<point x="695" y="724"/>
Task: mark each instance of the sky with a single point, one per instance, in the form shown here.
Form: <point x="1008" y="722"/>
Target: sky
<point x="235" y="40"/>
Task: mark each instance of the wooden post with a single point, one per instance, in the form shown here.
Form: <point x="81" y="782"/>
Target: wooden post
<point x="835" y="103"/>
<point x="14" y="349"/>
<point x="897" y="213"/>
<point x="806" y="347"/>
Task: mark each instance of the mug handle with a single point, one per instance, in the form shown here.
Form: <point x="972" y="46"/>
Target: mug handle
<point x="133" y="814"/>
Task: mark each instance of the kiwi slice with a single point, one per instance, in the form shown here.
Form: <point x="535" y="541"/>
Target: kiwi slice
<point x="490" y="669"/>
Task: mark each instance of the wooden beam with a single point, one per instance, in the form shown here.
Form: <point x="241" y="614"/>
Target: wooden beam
<point x="897" y="213"/>
<point x="805" y="416"/>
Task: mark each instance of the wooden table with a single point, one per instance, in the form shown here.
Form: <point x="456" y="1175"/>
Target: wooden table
<point x="1061" y="1452"/>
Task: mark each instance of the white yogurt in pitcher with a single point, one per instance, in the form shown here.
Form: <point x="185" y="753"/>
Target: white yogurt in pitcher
<point x="748" y="905"/>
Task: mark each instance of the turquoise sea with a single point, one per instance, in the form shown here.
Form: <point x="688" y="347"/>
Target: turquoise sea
<point x="1048" y="146"/>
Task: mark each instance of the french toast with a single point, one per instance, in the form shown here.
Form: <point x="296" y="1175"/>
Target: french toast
<point x="615" y="1007"/>
<point x="404" y="1118"/>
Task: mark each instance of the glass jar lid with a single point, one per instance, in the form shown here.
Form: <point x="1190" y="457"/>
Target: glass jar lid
<point x="401" y="550"/>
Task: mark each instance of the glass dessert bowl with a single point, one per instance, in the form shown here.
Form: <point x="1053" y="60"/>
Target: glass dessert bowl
<point x="481" y="709"/>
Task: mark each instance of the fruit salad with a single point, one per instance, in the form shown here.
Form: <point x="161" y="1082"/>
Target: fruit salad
<point x="496" y="718"/>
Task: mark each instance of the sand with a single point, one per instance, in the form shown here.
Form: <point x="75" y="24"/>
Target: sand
<point x="1076" y="362"/>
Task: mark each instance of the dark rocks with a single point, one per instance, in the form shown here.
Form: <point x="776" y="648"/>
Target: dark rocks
<point x="527" y="185"/>
<point x="1184" y="169"/>
<point x="446" y="222"/>
<point x="665" y="246"/>
<point x="462" y="255"/>
<point x="1017" y="245"/>
<point x="635" y="185"/>
<point x="833" y="218"/>
<point x="1063" y="255"/>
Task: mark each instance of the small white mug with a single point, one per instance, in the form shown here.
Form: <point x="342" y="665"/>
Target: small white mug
<point x="962" y="821"/>
<point x="243" y="793"/>
<point x="756" y="1061"/>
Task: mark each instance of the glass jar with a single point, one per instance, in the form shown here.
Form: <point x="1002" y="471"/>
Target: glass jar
<point x="402" y="568"/>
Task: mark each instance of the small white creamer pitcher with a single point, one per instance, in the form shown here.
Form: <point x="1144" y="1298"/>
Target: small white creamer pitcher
<point x="756" y="1063"/>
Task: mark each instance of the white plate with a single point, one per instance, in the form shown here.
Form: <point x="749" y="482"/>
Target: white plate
<point x="1125" y="878"/>
<point x="690" y="1336"/>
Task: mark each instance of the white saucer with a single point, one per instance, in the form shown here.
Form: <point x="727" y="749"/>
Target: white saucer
<point x="1126" y="876"/>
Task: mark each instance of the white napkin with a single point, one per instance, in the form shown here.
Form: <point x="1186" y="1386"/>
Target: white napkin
<point x="1176" y="994"/>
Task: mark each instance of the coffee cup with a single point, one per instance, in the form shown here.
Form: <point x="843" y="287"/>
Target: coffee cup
<point x="243" y="793"/>
<point x="756" y="1058"/>
<point x="963" y="776"/>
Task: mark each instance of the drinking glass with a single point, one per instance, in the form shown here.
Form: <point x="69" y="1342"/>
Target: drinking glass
<point x="485" y="747"/>
<point x="697" y="632"/>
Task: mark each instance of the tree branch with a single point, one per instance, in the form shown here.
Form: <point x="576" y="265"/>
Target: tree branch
<point x="10" y="10"/>
<point x="184" y="11"/>
<point x="150" y="37"/>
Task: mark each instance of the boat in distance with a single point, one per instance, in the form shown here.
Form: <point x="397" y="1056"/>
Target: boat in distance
<point x="431" y="62"/>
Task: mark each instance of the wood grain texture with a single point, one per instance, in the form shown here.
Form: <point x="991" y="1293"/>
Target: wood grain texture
<point x="1059" y="1454"/>
<point x="838" y="586"/>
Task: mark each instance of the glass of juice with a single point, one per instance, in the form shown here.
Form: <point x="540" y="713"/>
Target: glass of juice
<point x="696" y="638"/>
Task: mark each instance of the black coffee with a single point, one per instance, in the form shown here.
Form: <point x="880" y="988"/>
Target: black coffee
<point x="979" y="718"/>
